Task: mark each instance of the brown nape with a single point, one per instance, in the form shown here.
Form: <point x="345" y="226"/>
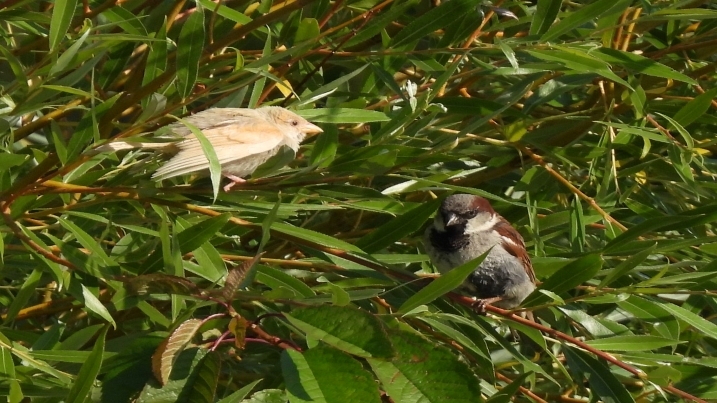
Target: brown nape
<point x="481" y="204"/>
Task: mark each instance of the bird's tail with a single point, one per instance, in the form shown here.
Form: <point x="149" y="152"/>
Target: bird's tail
<point x="115" y="146"/>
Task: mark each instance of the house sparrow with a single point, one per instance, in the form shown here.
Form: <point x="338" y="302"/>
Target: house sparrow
<point x="465" y="227"/>
<point x="242" y="138"/>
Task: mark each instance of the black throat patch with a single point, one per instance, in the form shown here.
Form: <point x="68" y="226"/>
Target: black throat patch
<point x="449" y="241"/>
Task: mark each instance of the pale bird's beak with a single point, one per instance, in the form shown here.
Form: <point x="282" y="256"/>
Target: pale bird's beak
<point x="310" y="129"/>
<point x="450" y="219"/>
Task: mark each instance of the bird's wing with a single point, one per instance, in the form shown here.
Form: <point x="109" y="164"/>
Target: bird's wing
<point x="232" y="139"/>
<point x="513" y="243"/>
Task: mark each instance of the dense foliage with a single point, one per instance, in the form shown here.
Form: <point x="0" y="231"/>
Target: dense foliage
<point x="589" y="125"/>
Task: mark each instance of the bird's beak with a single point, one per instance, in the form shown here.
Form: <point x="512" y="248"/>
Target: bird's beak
<point x="310" y="129"/>
<point x="450" y="219"/>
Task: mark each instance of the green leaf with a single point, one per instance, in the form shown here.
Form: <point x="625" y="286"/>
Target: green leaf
<point x="189" y="239"/>
<point x="342" y="115"/>
<point x="424" y="372"/>
<point x="703" y="325"/>
<point x="313" y="376"/>
<point x="80" y="390"/>
<point x="696" y="108"/>
<point x="202" y="386"/>
<point x="435" y="19"/>
<point x="62" y="13"/>
<point x="276" y="279"/>
<point x="241" y="393"/>
<point x="397" y="228"/>
<point x="313" y="237"/>
<point x="584" y="15"/>
<point x="601" y="381"/>
<point x="626" y="266"/>
<point x="86" y="240"/>
<point x="565" y="279"/>
<point x="544" y="16"/>
<point x="445" y="283"/>
<point x="308" y="29"/>
<point x="93" y="304"/>
<point x="632" y="343"/>
<point x="354" y="331"/>
<point x="189" y="51"/>
<point x="640" y="64"/>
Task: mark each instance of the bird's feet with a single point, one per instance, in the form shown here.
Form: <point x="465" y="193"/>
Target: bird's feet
<point x="480" y="303"/>
<point x="235" y="180"/>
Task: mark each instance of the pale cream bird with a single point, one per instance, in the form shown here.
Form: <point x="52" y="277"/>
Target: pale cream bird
<point x="242" y="138"/>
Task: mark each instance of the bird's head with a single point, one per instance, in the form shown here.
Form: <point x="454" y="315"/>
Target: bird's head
<point x="464" y="213"/>
<point x="295" y="124"/>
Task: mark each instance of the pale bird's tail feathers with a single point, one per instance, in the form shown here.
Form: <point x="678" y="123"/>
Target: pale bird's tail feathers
<point x="115" y="146"/>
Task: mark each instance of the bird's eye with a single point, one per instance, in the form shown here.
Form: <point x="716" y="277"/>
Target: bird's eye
<point x="294" y="122"/>
<point x="470" y="214"/>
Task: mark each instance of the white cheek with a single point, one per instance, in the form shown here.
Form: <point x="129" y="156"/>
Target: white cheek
<point x="473" y="227"/>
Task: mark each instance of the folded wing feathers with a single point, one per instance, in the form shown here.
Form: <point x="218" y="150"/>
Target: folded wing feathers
<point x="232" y="141"/>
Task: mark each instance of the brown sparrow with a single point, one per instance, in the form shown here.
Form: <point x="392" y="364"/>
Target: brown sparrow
<point x="465" y="227"/>
<point x="242" y="138"/>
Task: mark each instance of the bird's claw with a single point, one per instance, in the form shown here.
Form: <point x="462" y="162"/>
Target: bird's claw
<point x="235" y="180"/>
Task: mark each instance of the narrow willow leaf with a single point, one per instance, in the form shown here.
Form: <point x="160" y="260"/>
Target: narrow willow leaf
<point x="236" y="276"/>
<point x="544" y="16"/>
<point x="342" y="115"/>
<point x="506" y="393"/>
<point x="164" y="358"/>
<point x="23" y="295"/>
<point x="436" y="18"/>
<point x="86" y="240"/>
<point x="565" y="279"/>
<point x="694" y="109"/>
<point x="312" y="377"/>
<point x="632" y="343"/>
<point x="189" y="51"/>
<point x="424" y="372"/>
<point x="443" y="284"/>
<point x="241" y="393"/>
<point x="600" y="380"/>
<point x="708" y="328"/>
<point x="583" y="16"/>
<point x="354" y="331"/>
<point x="93" y="304"/>
<point x="62" y="13"/>
<point x="626" y="266"/>
<point x="397" y="228"/>
<point x="276" y="278"/>
<point x="80" y="390"/>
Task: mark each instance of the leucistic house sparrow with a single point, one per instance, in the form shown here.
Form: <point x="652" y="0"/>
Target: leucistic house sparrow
<point x="465" y="227"/>
<point x="242" y="138"/>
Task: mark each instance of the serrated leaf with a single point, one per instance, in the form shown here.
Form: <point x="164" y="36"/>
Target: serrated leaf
<point x="312" y="377"/>
<point x="352" y="330"/>
<point x="445" y="283"/>
<point x="424" y="372"/>
<point x="167" y="353"/>
<point x="202" y="384"/>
